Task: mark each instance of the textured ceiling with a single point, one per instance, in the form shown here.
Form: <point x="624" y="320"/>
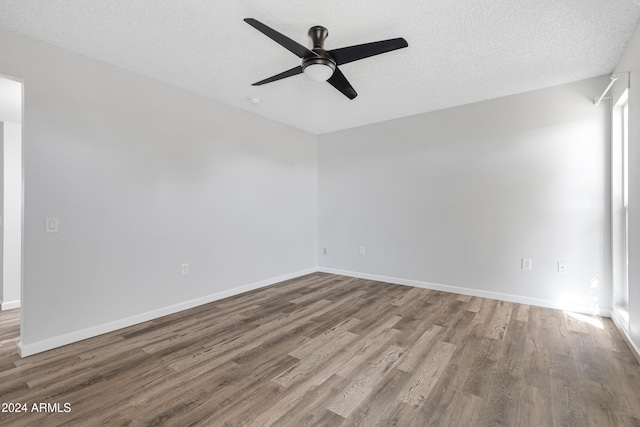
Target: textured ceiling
<point x="460" y="51"/>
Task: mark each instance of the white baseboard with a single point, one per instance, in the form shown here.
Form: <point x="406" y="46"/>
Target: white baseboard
<point x="9" y="305"/>
<point x="624" y="328"/>
<point x="619" y="321"/>
<point x="577" y="308"/>
<point x="51" y="343"/>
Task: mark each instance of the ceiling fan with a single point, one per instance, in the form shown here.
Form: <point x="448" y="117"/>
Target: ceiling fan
<point x="320" y="64"/>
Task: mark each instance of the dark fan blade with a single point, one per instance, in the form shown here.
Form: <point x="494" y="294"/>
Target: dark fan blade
<point x="295" y="47"/>
<point x="340" y="82"/>
<point x="345" y="55"/>
<point x="285" y="74"/>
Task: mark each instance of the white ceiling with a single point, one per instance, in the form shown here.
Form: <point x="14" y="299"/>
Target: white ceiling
<point x="460" y="51"/>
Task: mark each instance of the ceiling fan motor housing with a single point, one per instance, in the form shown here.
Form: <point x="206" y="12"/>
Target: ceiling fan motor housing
<point x="318" y="34"/>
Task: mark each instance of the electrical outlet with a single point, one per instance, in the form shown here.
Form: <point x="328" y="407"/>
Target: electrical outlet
<point x="362" y="250"/>
<point x="562" y="267"/>
<point x="51" y="225"/>
<point x="184" y="268"/>
<point x="526" y="264"/>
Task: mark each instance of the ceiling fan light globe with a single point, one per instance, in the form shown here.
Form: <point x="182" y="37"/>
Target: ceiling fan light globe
<point x="318" y="72"/>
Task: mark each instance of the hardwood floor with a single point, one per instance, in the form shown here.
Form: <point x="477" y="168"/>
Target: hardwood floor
<point x="329" y="350"/>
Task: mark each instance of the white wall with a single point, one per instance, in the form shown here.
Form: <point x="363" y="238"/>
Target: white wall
<point x="455" y="198"/>
<point x="10" y="100"/>
<point x="144" y="177"/>
<point x="630" y="62"/>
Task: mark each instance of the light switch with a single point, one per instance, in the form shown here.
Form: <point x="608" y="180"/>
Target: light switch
<point x="51" y="225"/>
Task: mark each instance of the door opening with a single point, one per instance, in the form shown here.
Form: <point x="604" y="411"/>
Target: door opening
<point x="11" y="229"/>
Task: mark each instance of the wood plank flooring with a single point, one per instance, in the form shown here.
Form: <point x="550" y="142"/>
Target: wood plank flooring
<point x="326" y="350"/>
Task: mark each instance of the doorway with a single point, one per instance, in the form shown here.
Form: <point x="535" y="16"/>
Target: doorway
<point x="11" y="114"/>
